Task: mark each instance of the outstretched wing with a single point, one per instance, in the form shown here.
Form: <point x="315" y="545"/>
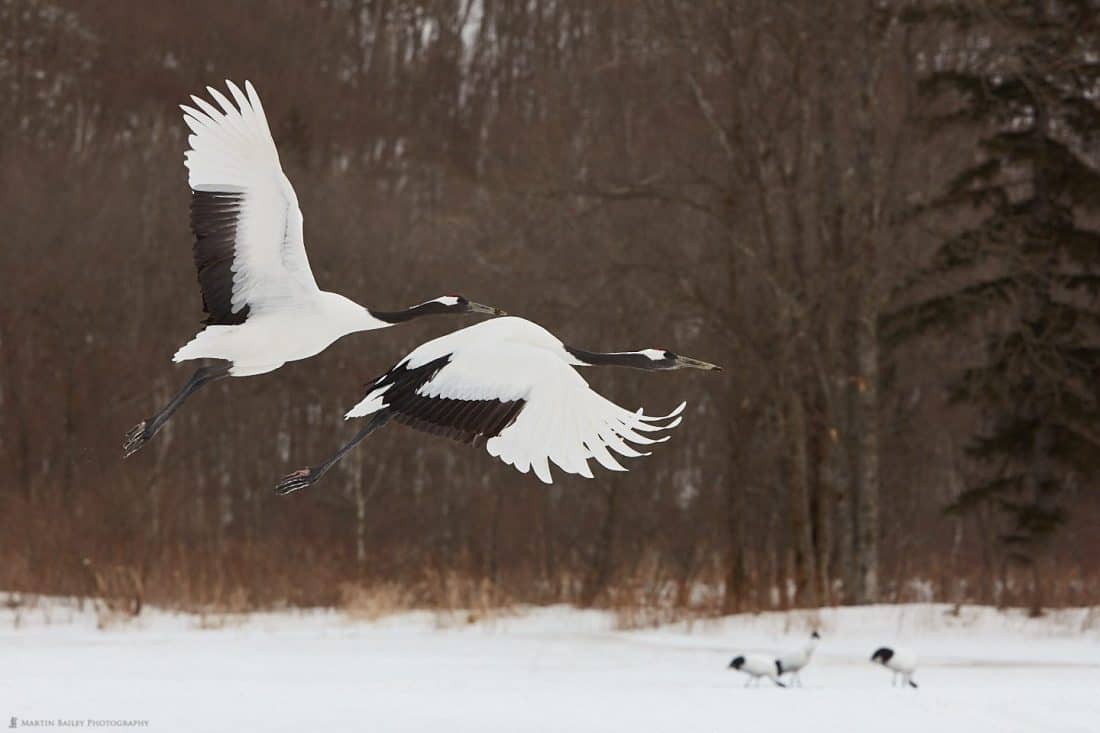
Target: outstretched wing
<point x="531" y="407"/>
<point x="249" y="250"/>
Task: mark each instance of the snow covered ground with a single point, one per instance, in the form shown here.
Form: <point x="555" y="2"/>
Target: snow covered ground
<point x="554" y="669"/>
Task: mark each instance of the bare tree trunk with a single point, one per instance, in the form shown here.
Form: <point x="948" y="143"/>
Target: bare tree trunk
<point x="805" y="570"/>
<point x="360" y="514"/>
<point x="494" y="537"/>
<point x="821" y="483"/>
<point x="774" y="587"/>
<point x="1040" y="479"/>
<point x="600" y="569"/>
<point x="867" y="506"/>
<point x="839" y="484"/>
<point x="736" y="568"/>
<point x="866" y="335"/>
<point x="549" y="559"/>
<point x="17" y="406"/>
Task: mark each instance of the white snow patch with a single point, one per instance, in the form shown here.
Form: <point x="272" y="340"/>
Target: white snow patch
<point x="547" y="669"/>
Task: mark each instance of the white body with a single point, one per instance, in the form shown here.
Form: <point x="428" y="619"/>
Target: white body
<point x="758" y="666"/>
<point x="794" y="662"/>
<point x="563" y="422"/>
<point x="269" y="339"/>
<point x="903" y="664"/>
<point x="290" y="318"/>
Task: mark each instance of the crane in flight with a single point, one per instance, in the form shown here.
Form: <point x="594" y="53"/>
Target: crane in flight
<point x="512" y="384"/>
<point x="263" y="305"/>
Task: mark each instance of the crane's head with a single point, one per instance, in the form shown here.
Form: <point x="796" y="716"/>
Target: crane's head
<point x="882" y="655"/>
<point x="664" y="360"/>
<point x="815" y="636"/>
<point x="445" y="304"/>
<point x="460" y="304"/>
<point x="737" y="663"/>
<point x="654" y="360"/>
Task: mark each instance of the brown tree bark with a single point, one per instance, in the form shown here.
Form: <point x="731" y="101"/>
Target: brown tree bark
<point x="600" y="567"/>
<point x="866" y="341"/>
<point x="801" y="531"/>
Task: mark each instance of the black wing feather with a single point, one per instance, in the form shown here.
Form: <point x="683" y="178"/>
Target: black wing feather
<point x="466" y="421"/>
<point x="214" y="217"/>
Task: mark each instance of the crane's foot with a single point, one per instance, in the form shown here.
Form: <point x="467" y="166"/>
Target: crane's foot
<point x="295" y="481"/>
<point x="136" y="438"/>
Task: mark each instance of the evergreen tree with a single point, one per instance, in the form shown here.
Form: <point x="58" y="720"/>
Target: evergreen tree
<point x="1022" y="273"/>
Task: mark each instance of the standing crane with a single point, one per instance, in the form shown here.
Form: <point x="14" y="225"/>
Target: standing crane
<point x="902" y="662"/>
<point x="794" y="662"/>
<point x="756" y="667"/>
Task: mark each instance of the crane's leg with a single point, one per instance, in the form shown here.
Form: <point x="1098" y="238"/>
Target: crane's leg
<point x="748" y="682"/>
<point x="144" y="431"/>
<point x="307" y="476"/>
<point x="777" y="682"/>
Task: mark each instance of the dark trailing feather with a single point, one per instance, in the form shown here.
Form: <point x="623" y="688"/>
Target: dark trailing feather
<point x="214" y="217"/>
<point x="465" y="421"/>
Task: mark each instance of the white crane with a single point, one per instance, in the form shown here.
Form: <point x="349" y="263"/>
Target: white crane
<point x="902" y="662"/>
<point x="793" y="663"/>
<point x="512" y="383"/>
<point x="264" y="306"/>
<point x="757" y="666"/>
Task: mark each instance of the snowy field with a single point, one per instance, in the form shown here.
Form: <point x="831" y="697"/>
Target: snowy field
<point x="552" y="669"/>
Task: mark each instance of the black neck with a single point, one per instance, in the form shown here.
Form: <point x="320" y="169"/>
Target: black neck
<point x="622" y="359"/>
<point x="431" y="308"/>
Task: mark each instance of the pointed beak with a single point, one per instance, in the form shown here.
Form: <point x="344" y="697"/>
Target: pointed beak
<point x="486" y="309"/>
<point x="686" y="362"/>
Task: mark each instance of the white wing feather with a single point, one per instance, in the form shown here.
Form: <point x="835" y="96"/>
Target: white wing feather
<point x="232" y="151"/>
<point x="564" y="422"/>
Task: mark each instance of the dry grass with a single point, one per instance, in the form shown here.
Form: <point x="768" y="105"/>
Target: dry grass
<point x="364" y="603"/>
<point x="455" y="600"/>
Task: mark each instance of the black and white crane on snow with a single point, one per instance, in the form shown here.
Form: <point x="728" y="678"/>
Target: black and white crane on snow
<point x="511" y="383"/>
<point x="757" y="667"/>
<point x="795" y="661"/>
<point x="902" y="662"/>
<point x="264" y="306"/>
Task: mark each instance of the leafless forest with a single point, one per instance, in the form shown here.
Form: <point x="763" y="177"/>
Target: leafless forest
<point x="755" y="183"/>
